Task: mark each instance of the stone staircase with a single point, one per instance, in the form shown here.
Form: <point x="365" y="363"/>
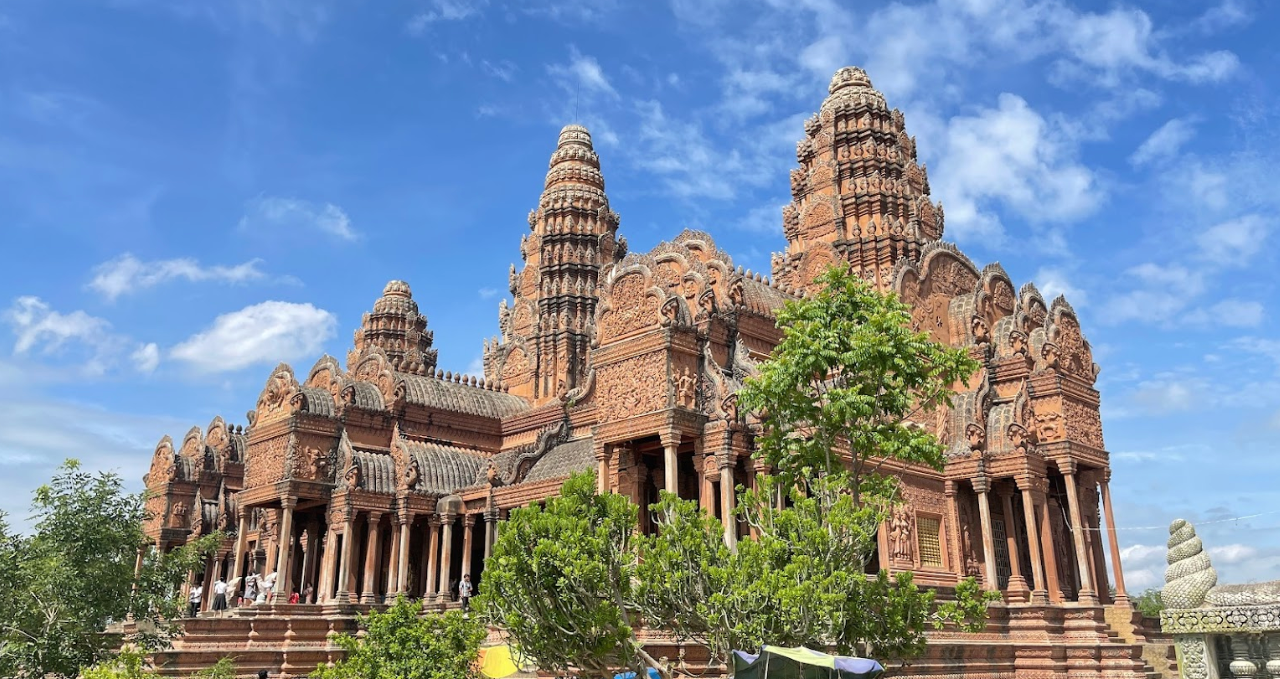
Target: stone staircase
<point x="1127" y="625"/>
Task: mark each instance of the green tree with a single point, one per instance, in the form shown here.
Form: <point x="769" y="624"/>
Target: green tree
<point x="560" y="581"/>
<point x="800" y="583"/>
<point x="73" y="576"/>
<point x="399" y="643"/>
<point x="129" y="664"/>
<point x="837" y="393"/>
<point x="569" y="582"/>
<point x="1149" y="602"/>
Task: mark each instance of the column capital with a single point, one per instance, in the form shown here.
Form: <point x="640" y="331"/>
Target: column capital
<point x="949" y="488"/>
<point x="435" y="520"/>
<point x="374" y="517"/>
<point x="446" y="519"/>
<point x="1106" y="475"/>
<point x="670" y="437"/>
<point x="981" y="484"/>
<point x="288" y="502"/>
<point x="242" y="512"/>
<point x="1068" y="467"/>
<point x="1033" y="484"/>
<point x="726" y="459"/>
<point x="468" y="520"/>
<point x="1005" y="490"/>
<point x="405" y="516"/>
<point x="491" y="514"/>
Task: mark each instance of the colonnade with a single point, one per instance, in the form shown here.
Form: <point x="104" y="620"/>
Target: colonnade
<point x="1044" y="586"/>
<point x="368" y="557"/>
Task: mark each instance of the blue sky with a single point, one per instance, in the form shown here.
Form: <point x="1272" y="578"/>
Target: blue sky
<point x="194" y="190"/>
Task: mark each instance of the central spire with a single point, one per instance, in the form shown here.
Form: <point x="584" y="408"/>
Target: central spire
<point x="859" y="195"/>
<point x="546" y="333"/>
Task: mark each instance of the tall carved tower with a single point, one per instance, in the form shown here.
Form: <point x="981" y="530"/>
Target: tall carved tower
<point x="859" y="194"/>
<point x="396" y="327"/>
<point x="546" y="333"/>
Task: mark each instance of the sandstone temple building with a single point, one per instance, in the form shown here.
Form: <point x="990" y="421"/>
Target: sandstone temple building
<point x="379" y="475"/>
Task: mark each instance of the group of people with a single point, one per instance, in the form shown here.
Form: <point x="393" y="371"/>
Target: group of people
<point x="261" y="590"/>
<point x="258" y="589"/>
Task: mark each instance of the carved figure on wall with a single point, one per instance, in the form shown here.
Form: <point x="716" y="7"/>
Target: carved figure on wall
<point x="1048" y="426"/>
<point x="900" y="538"/>
<point x="981" y="334"/>
<point x="685" y="388"/>
<point x="504" y="317"/>
<point x="1050" y="355"/>
<point x="1022" y="440"/>
<point x="1018" y="343"/>
<point x="180" y="509"/>
<point x="318" y="463"/>
<point x="412" y="475"/>
<point x="353" y="477"/>
<point x="491" y="474"/>
<point x="977" y="437"/>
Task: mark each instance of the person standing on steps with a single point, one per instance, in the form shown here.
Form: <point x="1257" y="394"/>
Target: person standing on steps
<point x="464" y="592"/>
<point x="193" y="601"/>
<point x="219" y="596"/>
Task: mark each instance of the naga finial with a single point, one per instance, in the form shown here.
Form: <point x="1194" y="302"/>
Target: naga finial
<point x="1190" y="575"/>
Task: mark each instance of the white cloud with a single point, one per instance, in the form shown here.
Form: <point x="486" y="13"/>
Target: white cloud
<point x="444" y="10"/>
<point x="1166" y="396"/>
<point x="272" y="213"/>
<point x="487" y="293"/>
<point x="37" y="325"/>
<point x="584" y="71"/>
<point x="146" y="357"/>
<point x="1229" y="554"/>
<point x="502" y="70"/>
<point x="1164" y="143"/>
<point x="1052" y="282"/>
<point x="1012" y="155"/>
<point x="127" y="274"/>
<point x="1234" y="313"/>
<point x="264" y="333"/>
<point x="1235" y="241"/>
<point x="1226" y="14"/>
<point x="1159" y="294"/>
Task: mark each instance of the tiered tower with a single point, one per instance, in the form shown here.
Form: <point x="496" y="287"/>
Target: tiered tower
<point x="859" y="195"/>
<point x="396" y="327"/>
<point x="546" y="334"/>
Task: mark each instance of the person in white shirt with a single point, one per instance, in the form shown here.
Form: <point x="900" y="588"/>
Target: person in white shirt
<point x="250" y="589"/>
<point x="220" y="596"/>
<point x="193" y="601"/>
<point x="464" y="592"/>
<point x="269" y="586"/>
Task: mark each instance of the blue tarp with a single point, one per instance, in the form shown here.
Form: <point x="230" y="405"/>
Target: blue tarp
<point x="802" y="663"/>
<point x="653" y="674"/>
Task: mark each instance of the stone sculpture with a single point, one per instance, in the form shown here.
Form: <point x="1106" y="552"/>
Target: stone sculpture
<point x="1189" y="576"/>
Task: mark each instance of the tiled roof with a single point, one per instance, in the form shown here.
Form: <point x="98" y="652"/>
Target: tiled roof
<point x="445" y="469"/>
<point x="366" y="396"/>
<point x="462" y="398"/>
<point x="377" y="472"/>
<point x="316" y="401"/>
<point x="565" y="459"/>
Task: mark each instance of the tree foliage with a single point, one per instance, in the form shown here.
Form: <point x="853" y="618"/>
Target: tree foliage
<point x="799" y="583"/>
<point x="570" y="582"/>
<point x="399" y="643"/>
<point x="1149" y="602"/>
<point x="560" y="581"/>
<point x="73" y="576"/>
<point x="847" y="376"/>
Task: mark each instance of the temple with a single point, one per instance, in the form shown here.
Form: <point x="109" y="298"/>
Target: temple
<point x="383" y="476"/>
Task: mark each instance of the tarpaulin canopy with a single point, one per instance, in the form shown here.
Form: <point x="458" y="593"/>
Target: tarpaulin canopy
<point x="653" y="674"/>
<point x="776" y="662"/>
<point x="496" y="662"/>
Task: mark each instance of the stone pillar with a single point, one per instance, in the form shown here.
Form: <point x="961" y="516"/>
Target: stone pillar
<point x="348" y="551"/>
<point x="490" y="534"/>
<point x="308" y="546"/>
<point x="242" y="542"/>
<point x="206" y="599"/>
<point x="602" y="468"/>
<point x="727" y="518"/>
<point x="1048" y="552"/>
<point x="446" y="557"/>
<point x="706" y="483"/>
<point x="1039" y="595"/>
<point x="1087" y="595"/>
<point x="953" y="549"/>
<point x="1112" y="541"/>
<point x="402" y="568"/>
<point x="991" y="581"/>
<point x="284" y="566"/>
<point x="324" y="591"/>
<point x="670" y="462"/>
<point x="468" y="529"/>
<point x="368" y="589"/>
<point x="392" y="585"/>
<point x="1017" y="588"/>
<point x="432" y="557"/>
